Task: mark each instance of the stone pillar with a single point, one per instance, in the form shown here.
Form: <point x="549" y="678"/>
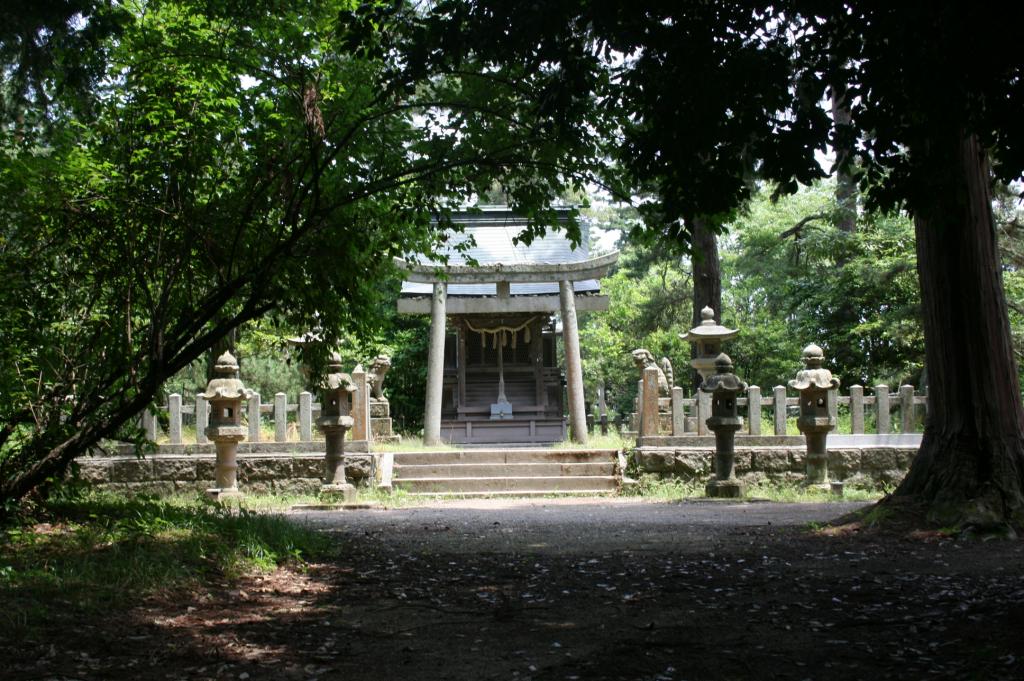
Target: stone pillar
<point x="649" y="403"/>
<point x="305" y="417"/>
<point x="703" y="412"/>
<point x="882" y="409"/>
<point x="253" y="417"/>
<point x="202" y="420"/>
<point x="754" y="409"/>
<point x="678" y="412"/>
<point x="360" y="405"/>
<point x="280" y="417"/>
<point x="174" y="418"/>
<point x="573" y="368"/>
<point x="907" y="408"/>
<point x="435" y="367"/>
<point x="779" y="400"/>
<point x="856" y="409"/>
<point x="149" y="424"/>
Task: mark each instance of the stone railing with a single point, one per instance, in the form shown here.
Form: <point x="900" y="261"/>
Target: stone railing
<point x="689" y="415"/>
<point x="300" y="429"/>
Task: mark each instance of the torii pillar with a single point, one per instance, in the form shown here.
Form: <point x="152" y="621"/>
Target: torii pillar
<point x="435" y="366"/>
<point x="573" y="366"/>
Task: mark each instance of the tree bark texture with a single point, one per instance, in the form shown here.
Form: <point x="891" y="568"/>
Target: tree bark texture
<point x="970" y="468"/>
<point x="707" y="280"/>
<point x="846" y="184"/>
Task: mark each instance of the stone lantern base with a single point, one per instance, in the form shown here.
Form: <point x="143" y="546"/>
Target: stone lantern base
<point x="225" y="494"/>
<point x="338" y="492"/>
<point x="725" y="489"/>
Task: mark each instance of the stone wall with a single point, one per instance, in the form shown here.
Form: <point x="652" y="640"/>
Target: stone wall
<point x="296" y="472"/>
<point x="866" y="466"/>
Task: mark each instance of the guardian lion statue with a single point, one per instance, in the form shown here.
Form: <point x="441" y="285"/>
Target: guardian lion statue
<point x="378" y="370"/>
<point x="643" y="358"/>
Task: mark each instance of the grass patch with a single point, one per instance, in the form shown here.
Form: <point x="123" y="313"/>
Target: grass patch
<point x="612" y="440"/>
<point x="411" y="443"/>
<point x="673" y="489"/>
<point x="83" y="553"/>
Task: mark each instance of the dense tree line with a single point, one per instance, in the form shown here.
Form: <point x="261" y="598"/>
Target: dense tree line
<point x="178" y="168"/>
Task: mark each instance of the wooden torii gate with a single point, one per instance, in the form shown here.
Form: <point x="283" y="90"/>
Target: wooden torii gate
<point x="567" y="302"/>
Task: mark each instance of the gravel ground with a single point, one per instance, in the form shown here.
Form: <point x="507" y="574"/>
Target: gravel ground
<point x="569" y="526"/>
<point x="603" y="589"/>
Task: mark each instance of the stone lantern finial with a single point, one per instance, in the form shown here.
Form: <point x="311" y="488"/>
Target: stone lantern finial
<point x="813" y="375"/>
<point x="226" y="365"/>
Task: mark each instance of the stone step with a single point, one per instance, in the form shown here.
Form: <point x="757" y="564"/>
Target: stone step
<point x="498" y="470"/>
<point x="505" y="456"/>
<point x="522" y="493"/>
<point x="532" y="485"/>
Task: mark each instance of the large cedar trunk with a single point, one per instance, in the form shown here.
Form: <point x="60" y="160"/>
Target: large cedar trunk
<point x="970" y="468"/>
<point x="707" y="280"/>
<point x="846" y="184"/>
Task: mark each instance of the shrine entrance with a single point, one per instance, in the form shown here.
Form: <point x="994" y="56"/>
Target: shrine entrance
<point x="493" y="374"/>
<point x="505" y="384"/>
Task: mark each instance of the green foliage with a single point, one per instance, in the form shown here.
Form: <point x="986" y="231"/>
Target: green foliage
<point x="854" y="294"/>
<point x="243" y="161"/>
<point x="271" y="374"/>
<point x="650" y="293"/>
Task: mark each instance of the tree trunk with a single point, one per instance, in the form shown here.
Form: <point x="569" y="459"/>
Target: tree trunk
<point x="707" y="280"/>
<point x="970" y="468"/>
<point x="846" y="185"/>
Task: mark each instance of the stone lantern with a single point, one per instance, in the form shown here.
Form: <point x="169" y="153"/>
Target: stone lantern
<point x="707" y="337"/>
<point x="225" y="394"/>
<point x="724" y="387"/>
<point x="335" y="420"/>
<point x="814" y="383"/>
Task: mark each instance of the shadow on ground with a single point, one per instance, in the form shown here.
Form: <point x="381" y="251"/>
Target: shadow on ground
<point x="599" y="589"/>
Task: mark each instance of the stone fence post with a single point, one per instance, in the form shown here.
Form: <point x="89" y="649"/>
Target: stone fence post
<point x="779" y="404"/>
<point x="174" y="414"/>
<point x="360" y="405"/>
<point x="678" y="412"/>
<point x="857" y="409"/>
<point x="280" y="417"/>
<point x="202" y="419"/>
<point x="306" y="417"/>
<point x="882" y="409"/>
<point x="149" y="425"/>
<point x="703" y="412"/>
<point x="907" y="408"/>
<point x="754" y="409"/>
<point x="254" y="417"/>
<point x="649" y="404"/>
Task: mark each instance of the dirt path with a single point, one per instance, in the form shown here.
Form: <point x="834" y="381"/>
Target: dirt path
<point x="582" y="589"/>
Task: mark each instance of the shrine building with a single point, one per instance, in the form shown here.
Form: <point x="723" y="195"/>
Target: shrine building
<point x="493" y="371"/>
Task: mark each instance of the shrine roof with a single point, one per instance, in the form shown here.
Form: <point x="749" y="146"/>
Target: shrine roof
<point x="498" y="257"/>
